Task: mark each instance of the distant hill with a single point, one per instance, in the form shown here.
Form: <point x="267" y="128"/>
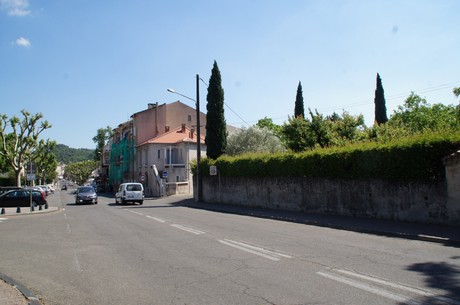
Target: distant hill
<point x="67" y="155"/>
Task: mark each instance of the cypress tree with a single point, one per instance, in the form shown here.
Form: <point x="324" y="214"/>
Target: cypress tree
<point x="299" y="109"/>
<point x="379" y="101"/>
<point x="216" y="127"/>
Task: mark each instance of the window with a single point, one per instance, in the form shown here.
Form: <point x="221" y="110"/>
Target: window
<point x="159" y="154"/>
<point x="173" y="156"/>
<point x="189" y="117"/>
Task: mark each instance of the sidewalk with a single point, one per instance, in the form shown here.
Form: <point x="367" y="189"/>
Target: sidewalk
<point x="7" y="212"/>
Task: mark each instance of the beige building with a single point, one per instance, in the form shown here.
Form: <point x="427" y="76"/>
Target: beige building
<point x="159" y="119"/>
<point x="164" y="161"/>
<point x="156" y="147"/>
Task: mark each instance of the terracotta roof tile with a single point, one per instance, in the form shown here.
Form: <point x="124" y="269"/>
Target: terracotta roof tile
<point x="174" y="136"/>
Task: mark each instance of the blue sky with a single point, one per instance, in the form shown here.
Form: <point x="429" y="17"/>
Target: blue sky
<point x="89" y="64"/>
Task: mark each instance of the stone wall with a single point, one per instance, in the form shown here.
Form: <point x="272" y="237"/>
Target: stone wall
<point x="452" y="164"/>
<point x="416" y="202"/>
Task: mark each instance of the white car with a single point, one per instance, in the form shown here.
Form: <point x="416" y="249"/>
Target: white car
<point x="130" y="192"/>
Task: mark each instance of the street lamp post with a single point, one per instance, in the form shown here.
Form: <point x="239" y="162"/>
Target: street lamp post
<point x="198" y="139"/>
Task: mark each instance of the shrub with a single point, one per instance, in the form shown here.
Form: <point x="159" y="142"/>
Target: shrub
<point x="418" y="158"/>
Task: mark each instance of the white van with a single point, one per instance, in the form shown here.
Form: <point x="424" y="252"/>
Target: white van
<point x="130" y="192"/>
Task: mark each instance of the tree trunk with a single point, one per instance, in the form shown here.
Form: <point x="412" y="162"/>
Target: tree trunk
<point x="18" y="177"/>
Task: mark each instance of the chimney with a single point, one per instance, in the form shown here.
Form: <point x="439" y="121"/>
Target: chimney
<point x="192" y="133"/>
<point x="183" y="128"/>
<point x="152" y="105"/>
<point x="166" y="128"/>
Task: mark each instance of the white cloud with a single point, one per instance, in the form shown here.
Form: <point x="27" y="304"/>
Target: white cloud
<point x="15" y="7"/>
<point x="23" y="42"/>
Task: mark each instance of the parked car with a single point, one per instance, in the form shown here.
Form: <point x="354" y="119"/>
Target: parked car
<point x="85" y="194"/>
<point x="4" y="189"/>
<point x="21" y="198"/>
<point x="36" y="188"/>
<point x="130" y="192"/>
<point x="47" y="189"/>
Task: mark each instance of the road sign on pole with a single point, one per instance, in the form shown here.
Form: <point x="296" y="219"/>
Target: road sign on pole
<point x="213" y="170"/>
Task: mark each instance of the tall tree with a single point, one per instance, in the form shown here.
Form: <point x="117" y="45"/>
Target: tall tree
<point x="19" y="145"/>
<point x="45" y="159"/>
<point x="101" y="138"/>
<point x="299" y="108"/>
<point x="379" y="101"/>
<point x="216" y="128"/>
<point x="80" y="171"/>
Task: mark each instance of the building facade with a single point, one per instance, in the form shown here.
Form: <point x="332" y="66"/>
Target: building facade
<point x="155" y="148"/>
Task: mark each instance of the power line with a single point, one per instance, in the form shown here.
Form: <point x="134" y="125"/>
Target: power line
<point x="228" y="106"/>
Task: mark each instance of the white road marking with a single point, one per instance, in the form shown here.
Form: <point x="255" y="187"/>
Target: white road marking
<point x="387" y="283"/>
<point x="157" y="219"/>
<point x="188" y="229"/>
<point x="380" y="291"/>
<point x="134" y="212"/>
<point x="2" y="219"/>
<point x="363" y="286"/>
<point x="269" y="254"/>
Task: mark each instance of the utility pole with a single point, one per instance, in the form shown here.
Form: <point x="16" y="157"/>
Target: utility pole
<point x="198" y="141"/>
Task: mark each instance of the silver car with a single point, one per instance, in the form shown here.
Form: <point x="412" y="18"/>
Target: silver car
<point x="85" y="194"/>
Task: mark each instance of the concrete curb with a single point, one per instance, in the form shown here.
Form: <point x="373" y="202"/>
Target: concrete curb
<point x="26" y="211"/>
<point x="28" y="295"/>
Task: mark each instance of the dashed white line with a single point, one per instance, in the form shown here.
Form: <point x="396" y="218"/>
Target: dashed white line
<point x="2" y="219"/>
<point x="134" y="212"/>
<point x="156" y="219"/>
<point x="366" y="287"/>
<point x="346" y="278"/>
<point x="269" y="254"/>
<point x="188" y="229"/>
<point x="386" y="283"/>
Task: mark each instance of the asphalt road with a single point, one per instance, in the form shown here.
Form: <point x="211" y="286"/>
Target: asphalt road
<point x="161" y="253"/>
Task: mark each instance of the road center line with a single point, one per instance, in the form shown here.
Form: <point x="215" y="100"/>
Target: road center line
<point x="157" y="219"/>
<point x="260" y="249"/>
<point x="386" y="283"/>
<point x="398" y="286"/>
<point x="271" y="255"/>
<point x="134" y="212"/>
<point x="190" y="230"/>
<point x="363" y="286"/>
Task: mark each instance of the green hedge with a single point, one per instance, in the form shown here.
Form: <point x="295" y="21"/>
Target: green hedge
<point x="418" y="158"/>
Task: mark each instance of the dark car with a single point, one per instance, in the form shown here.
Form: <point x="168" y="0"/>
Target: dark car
<point x="4" y="189"/>
<point x="21" y="198"/>
<point x="85" y="194"/>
